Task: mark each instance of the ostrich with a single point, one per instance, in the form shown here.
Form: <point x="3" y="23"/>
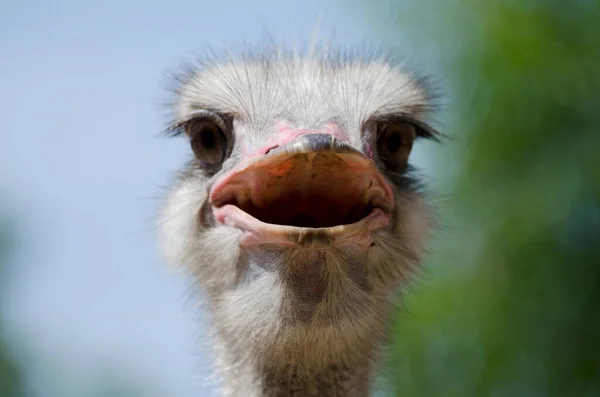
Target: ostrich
<point x="298" y="214"/>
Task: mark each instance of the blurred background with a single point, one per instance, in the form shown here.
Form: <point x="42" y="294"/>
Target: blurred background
<point x="509" y="302"/>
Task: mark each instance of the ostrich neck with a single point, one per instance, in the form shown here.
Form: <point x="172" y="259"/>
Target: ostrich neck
<point x="288" y="377"/>
<point x="310" y="327"/>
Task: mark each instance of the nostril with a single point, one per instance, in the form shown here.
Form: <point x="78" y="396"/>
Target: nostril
<point x="271" y="148"/>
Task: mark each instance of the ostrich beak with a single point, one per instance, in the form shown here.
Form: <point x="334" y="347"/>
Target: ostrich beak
<point x="314" y="190"/>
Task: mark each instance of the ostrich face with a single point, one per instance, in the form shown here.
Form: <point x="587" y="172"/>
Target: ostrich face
<point x="297" y="214"/>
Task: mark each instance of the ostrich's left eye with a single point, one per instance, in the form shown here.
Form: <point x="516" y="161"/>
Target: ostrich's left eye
<point x="394" y="143"/>
<point x="208" y="141"/>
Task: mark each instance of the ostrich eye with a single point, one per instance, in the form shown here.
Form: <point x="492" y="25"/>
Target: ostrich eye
<point x="208" y="142"/>
<point x="394" y="143"/>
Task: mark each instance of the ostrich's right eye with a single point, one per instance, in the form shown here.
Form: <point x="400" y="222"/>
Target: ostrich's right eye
<point x="208" y="141"/>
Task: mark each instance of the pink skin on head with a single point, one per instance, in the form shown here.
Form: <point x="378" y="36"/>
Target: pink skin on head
<point x="369" y="151"/>
<point x="257" y="232"/>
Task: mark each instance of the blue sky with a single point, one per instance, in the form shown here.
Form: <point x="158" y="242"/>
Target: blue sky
<point x="83" y="168"/>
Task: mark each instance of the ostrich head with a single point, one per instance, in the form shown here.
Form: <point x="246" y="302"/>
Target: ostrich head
<point x="297" y="214"/>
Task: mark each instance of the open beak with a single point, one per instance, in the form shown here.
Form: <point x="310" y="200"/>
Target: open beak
<point x="315" y="189"/>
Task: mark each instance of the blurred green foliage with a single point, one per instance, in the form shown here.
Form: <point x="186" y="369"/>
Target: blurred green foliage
<point x="510" y="305"/>
<point x="11" y="378"/>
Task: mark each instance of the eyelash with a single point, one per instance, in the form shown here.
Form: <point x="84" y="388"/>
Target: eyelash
<point x="179" y="127"/>
<point x="423" y="130"/>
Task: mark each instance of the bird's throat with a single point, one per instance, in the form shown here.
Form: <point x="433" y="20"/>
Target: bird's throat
<point x="305" y="320"/>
